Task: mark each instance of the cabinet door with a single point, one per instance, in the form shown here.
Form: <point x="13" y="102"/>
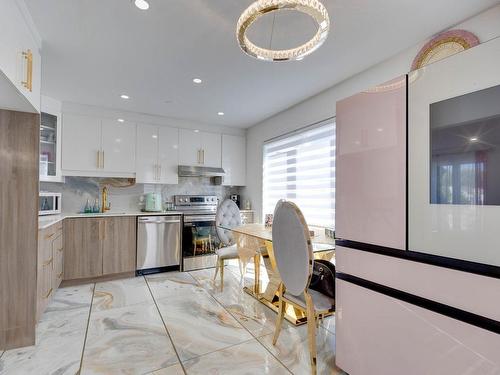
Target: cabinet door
<point x="118" y="146"/>
<point x="211" y="148"/>
<point x="119" y="245"/>
<point x="82" y="248"/>
<point x="147" y="154"/>
<point x="234" y="159"/>
<point x="81" y="143"/>
<point x="169" y="155"/>
<point x="189" y="147"/>
<point x="371" y="166"/>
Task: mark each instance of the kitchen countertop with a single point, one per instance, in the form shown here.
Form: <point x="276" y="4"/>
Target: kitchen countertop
<point x="48" y="220"/>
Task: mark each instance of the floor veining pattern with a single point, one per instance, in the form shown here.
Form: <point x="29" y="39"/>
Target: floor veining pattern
<point x="167" y="324"/>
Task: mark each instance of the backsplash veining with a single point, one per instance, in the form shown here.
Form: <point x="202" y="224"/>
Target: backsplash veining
<point x="76" y="190"/>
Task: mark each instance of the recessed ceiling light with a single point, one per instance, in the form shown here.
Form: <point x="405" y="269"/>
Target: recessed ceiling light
<point x="141" y="4"/>
<point x="197" y="80"/>
<point x="220" y="113"/>
<point x="121" y="120"/>
<point x="123" y="96"/>
<point x="474" y="139"/>
<point x="196" y="131"/>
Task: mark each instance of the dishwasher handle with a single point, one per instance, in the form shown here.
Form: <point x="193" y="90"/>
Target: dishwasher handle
<point x="159" y="220"/>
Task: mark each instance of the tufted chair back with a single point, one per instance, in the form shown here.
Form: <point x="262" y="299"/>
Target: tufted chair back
<point x="228" y="215"/>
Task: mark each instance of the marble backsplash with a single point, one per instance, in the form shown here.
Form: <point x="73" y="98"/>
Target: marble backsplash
<point x="76" y="190"/>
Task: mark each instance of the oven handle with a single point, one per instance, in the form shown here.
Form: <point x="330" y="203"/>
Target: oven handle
<point x="196" y="219"/>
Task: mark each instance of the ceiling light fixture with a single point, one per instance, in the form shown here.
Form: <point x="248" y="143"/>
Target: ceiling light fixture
<point x="220" y="113"/>
<point x="121" y="120"/>
<point x="141" y="4"/>
<point x="197" y="80"/>
<point x="313" y="8"/>
<point x="474" y="139"/>
<point x="123" y="96"/>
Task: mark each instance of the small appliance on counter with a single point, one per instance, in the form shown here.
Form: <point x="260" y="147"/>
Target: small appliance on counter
<point x="49" y="203"/>
<point x="153" y="202"/>
<point x="236" y="199"/>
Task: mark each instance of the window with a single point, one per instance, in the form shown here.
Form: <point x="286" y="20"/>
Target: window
<point x="300" y="167"/>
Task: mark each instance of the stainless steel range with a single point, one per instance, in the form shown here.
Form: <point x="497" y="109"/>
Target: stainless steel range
<point x="199" y="235"/>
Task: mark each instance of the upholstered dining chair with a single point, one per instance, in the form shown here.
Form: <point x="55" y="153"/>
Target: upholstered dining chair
<point x="228" y="216"/>
<point x="293" y="253"/>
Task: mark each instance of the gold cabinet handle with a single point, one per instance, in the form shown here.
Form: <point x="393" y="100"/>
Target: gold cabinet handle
<point x="159" y="172"/>
<point x="98" y="159"/>
<point x="48" y="262"/>
<point x="102" y="160"/>
<point x="28" y="56"/>
<point x="202" y="156"/>
<point x="48" y="293"/>
<point x="60" y="249"/>
<point x="60" y="275"/>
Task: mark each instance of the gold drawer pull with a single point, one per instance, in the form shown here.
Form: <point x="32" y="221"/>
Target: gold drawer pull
<point x="48" y="262"/>
<point x="28" y="55"/>
<point x="60" y="275"/>
<point x="48" y="293"/>
<point x="60" y="249"/>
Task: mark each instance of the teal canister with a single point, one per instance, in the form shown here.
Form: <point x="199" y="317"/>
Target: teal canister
<point x="153" y="202"/>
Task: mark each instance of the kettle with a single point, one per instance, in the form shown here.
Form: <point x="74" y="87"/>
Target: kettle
<point x="153" y="202"/>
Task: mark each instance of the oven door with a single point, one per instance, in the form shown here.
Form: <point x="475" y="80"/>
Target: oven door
<point x="199" y="242"/>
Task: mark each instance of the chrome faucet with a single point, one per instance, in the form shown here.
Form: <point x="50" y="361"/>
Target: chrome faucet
<point x="105" y="205"/>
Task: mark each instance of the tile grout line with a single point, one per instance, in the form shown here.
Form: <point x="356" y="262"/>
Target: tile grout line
<point x="253" y="337"/>
<point x="87" y="329"/>
<point x="165" y="326"/>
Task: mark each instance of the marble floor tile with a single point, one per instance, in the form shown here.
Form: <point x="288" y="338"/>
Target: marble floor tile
<point x="127" y="340"/>
<point x="60" y="338"/>
<point x="171" y="284"/>
<point x="71" y="298"/>
<point x="198" y="324"/>
<point x="293" y="351"/>
<point x="120" y="293"/>
<point x="246" y="358"/>
<point x="171" y="370"/>
<point x="329" y="323"/>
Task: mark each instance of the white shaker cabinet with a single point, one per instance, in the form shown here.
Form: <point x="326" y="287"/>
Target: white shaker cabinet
<point x="234" y="159"/>
<point x="81" y="144"/>
<point x="200" y="148"/>
<point x="118" y="146"/>
<point x="157" y="154"/>
<point x="20" y="60"/>
<point x="97" y="148"/>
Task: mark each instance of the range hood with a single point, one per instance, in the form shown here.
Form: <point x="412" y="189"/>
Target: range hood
<point x="190" y="171"/>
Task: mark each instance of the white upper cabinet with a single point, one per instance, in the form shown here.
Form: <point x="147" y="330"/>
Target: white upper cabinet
<point x="20" y="60"/>
<point x="147" y="154"/>
<point x="81" y="144"/>
<point x="157" y="154"/>
<point x="168" y="155"/>
<point x="95" y="147"/>
<point x="211" y="151"/>
<point x="118" y="146"/>
<point x="234" y="159"/>
<point x="200" y="148"/>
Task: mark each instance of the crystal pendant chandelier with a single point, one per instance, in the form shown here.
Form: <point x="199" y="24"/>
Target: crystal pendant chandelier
<point x="313" y="8"/>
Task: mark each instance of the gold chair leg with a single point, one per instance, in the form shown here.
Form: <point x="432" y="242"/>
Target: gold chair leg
<point x="311" y="332"/>
<point x="216" y="269"/>
<point x="221" y="266"/>
<point x="281" y="315"/>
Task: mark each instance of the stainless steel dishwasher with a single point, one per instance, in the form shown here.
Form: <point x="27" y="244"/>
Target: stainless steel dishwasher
<point x="158" y="243"/>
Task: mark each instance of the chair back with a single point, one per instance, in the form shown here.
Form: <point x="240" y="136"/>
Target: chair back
<point x="228" y="215"/>
<point x="292" y="247"/>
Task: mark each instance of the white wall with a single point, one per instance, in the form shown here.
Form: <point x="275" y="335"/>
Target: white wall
<point x="89" y="110"/>
<point x="322" y="106"/>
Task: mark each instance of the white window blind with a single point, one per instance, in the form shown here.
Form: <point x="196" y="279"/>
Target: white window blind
<point x="301" y="168"/>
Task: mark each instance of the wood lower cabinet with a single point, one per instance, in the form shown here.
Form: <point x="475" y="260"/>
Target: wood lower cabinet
<point x="83" y="248"/>
<point x="119" y="245"/>
<point x="95" y="247"/>
<point x="50" y="265"/>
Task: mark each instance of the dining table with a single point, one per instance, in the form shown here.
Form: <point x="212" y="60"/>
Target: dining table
<point x="254" y="241"/>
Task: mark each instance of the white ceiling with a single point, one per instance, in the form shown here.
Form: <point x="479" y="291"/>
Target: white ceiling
<point x="95" y="50"/>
